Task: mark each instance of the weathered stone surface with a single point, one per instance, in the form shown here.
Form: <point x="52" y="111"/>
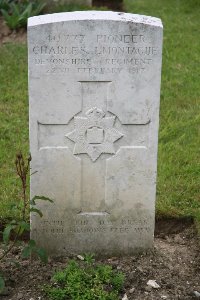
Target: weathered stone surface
<point x="94" y="86"/>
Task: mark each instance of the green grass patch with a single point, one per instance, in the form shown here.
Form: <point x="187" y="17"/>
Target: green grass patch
<point x="178" y="188"/>
<point x="179" y="139"/>
<point x="14" y="121"/>
<point x="86" y="281"/>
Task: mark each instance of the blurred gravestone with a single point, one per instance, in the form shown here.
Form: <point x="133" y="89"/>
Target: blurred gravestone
<point x="94" y="88"/>
<point x="116" y="5"/>
<point x="52" y="4"/>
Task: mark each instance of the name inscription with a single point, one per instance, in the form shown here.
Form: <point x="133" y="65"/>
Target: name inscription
<point x="109" y="54"/>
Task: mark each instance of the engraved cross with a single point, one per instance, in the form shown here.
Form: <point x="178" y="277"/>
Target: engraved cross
<point x="92" y="137"/>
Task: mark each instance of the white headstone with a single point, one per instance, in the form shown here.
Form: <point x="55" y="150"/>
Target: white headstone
<point x="94" y="89"/>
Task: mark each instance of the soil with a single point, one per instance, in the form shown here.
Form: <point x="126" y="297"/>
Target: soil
<point x="174" y="263"/>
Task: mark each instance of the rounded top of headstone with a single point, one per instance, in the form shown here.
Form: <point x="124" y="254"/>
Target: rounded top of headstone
<point x="94" y="15"/>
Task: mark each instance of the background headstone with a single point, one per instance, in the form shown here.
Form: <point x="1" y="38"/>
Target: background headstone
<point x="116" y="5"/>
<point x="65" y="4"/>
<point x="51" y="4"/>
<point x="94" y="89"/>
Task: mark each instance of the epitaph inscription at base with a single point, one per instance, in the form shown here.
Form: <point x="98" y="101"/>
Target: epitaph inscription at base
<point x="94" y="89"/>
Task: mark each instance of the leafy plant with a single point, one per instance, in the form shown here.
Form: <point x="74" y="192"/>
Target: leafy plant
<point x="86" y="282"/>
<point x="18" y="227"/>
<point x="4" y="4"/>
<point x="89" y="258"/>
<point x="32" y="248"/>
<point x="16" y="13"/>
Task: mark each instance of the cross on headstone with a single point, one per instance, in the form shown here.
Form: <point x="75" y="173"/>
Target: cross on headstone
<point x="94" y="133"/>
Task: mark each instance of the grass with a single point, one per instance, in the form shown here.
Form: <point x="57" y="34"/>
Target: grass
<point x="178" y="188"/>
<point x="14" y="120"/>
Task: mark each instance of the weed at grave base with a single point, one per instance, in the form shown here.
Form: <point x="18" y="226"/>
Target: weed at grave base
<point x="85" y="280"/>
<point x="21" y="225"/>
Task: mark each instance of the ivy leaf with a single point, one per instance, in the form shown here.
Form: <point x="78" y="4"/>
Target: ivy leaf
<point x="42" y="255"/>
<point x="33" y="209"/>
